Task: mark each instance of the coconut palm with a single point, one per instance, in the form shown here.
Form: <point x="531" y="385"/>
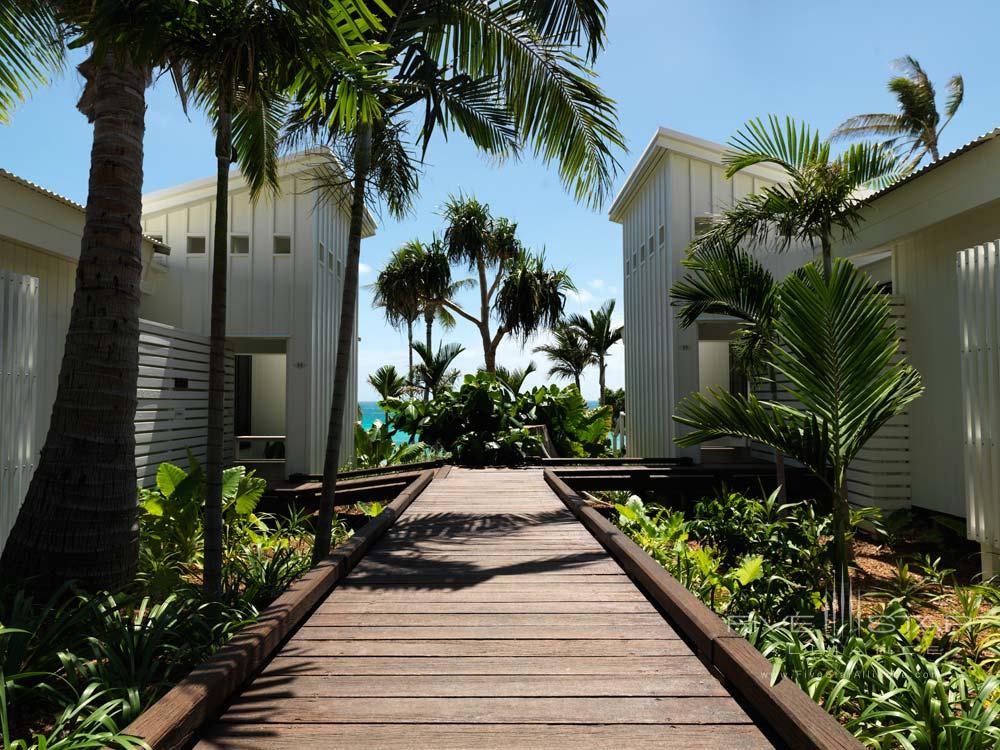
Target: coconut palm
<point x="388" y="383"/>
<point x="244" y="55"/>
<point x="600" y="334"/>
<point x="434" y="371"/>
<point x="836" y="346"/>
<point x="913" y="132"/>
<point x="395" y="292"/>
<point x="724" y="280"/>
<point x="79" y="516"/>
<point x="820" y="200"/>
<point x="507" y="76"/>
<point x="568" y="354"/>
<point x="513" y="378"/>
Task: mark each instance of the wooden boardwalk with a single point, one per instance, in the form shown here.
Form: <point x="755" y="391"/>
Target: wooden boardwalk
<point x="487" y="617"/>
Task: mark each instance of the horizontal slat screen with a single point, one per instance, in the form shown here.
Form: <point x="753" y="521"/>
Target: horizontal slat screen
<point x="880" y="475"/>
<point x="979" y="339"/>
<point x="172" y="413"/>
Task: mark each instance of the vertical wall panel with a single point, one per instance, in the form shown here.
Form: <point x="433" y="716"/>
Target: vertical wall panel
<point x="19" y="360"/>
<point x="979" y="342"/>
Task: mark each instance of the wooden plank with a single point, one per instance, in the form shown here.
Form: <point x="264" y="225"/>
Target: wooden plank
<point x="332" y="618"/>
<point x="482" y="736"/>
<point x="388" y="685"/>
<point x="377" y="606"/>
<point x="263" y="709"/>
<point x="488" y="647"/>
<point x="684" y="664"/>
<point x="514" y="633"/>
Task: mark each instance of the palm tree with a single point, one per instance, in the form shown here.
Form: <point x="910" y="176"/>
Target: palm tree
<point x="600" y="335"/>
<point x="568" y="353"/>
<point x="434" y="371"/>
<point x="388" y="383"/>
<point x="724" y="280"/>
<point x="244" y="56"/>
<point x="822" y="197"/>
<point x="913" y="132"/>
<point x="396" y="293"/>
<point x="505" y="75"/>
<point x="836" y="346"/>
<point x="79" y="516"/>
<point x="514" y="378"/>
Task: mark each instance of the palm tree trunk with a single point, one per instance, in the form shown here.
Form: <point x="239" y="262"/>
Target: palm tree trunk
<point x="217" y="351"/>
<point x="576" y="379"/>
<point x="79" y="518"/>
<point x="409" y="348"/>
<point x="601" y="366"/>
<point x="779" y="457"/>
<point x="841" y="552"/>
<point x="348" y="306"/>
<point x="827" y="256"/>
<point x="429" y="323"/>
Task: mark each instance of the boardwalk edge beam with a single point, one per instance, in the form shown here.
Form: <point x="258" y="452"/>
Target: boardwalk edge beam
<point x="792" y="715"/>
<point x="172" y="720"/>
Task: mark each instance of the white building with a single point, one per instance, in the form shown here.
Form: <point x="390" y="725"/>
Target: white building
<point x="944" y="454"/>
<point x="286" y="267"/>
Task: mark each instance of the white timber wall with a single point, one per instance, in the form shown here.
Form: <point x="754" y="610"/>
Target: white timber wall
<point x="172" y="412"/>
<point x="881" y="475"/>
<point x="979" y="305"/>
<point x="19" y="306"/>
<point x="290" y="298"/>
<point x="661" y="359"/>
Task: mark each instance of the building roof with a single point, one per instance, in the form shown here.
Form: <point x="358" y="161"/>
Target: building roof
<point x="158" y="246"/>
<point x="665" y="140"/>
<point x="931" y="166"/>
<point x="198" y="190"/>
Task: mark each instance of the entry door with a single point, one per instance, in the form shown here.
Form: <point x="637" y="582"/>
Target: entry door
<point x="18" y="392"/>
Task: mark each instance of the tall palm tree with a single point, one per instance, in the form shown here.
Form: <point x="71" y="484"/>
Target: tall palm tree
<point x="243" y="58"/>
<point x="513" y="378"/>
<point x="913" y="132"/>
<point x="568" y="354"/>
<point x="395" y="292"/>
<point x="836" y="346"/>
<point x="79" y="516"/>
<point x="724" y="280"/>
<point x="600" y="334"/>
<point x="504" y="74"/>
<point x="434" y="371"/>
<point x="820" y="200"/>
<point x="388" y="383"/>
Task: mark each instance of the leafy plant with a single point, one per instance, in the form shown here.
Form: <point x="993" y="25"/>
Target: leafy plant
<point x="375" y="447"/>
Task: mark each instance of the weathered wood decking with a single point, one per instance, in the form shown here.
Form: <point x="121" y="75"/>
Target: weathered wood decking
<point x="487" y="617"/>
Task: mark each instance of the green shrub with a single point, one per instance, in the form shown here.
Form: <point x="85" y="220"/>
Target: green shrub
<point x="375" y="447"/>
<point x="484" y="423"/>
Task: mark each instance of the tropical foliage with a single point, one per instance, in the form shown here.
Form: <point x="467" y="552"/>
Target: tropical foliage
<point x="568" y="353"/>
<point x="893" y="681"/>
<point x="819" y="202"/>
<point x="912" y="132"/>
<point x="837" y="350"/>
<point x="600" y="334"/>
<point x="435" y="372"/>
<point x="375" y="447"/>
<point x="485" y="422"/>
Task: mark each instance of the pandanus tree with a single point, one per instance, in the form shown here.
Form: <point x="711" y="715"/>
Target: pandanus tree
<point x="836" y="348"/>
<point x="79" y="516"/>
<point x="819" y="202"/>
<point x="508" y="76"/>
<point x="913" y="131"/>
<point x="722" y="279"/>
<point x="568" y="353"/>
<point x="600" y="334"/>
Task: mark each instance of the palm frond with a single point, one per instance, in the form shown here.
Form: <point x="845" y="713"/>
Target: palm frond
<point x="30" y="50"/>
<point x="570" y="21"/>
<point x="956" y="94"/>
<point x="256" y="131"/>
<point x="790" y="145"/>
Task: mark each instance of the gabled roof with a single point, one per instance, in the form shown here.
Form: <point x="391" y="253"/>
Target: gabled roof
<point x="158" y="246"/>
<point x="201" y="189"/>
<point x="665" y="140"/>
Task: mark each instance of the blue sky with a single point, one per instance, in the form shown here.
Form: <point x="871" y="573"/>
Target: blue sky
<point x="700" y="67"/>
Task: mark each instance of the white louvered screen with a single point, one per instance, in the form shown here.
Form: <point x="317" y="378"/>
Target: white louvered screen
<point x="979" y="337"/>
<point x="18" y="392"/>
